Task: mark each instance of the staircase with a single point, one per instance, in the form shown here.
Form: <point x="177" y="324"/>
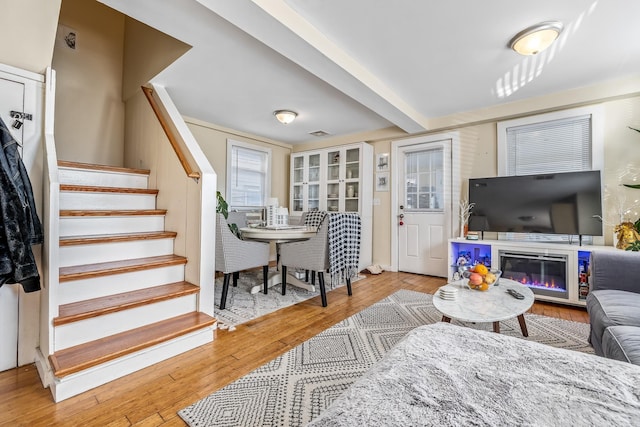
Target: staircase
<point x="123" y="303"/>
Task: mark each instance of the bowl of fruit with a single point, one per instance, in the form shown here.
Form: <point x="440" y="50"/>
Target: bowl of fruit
<point x="480" y="278"/>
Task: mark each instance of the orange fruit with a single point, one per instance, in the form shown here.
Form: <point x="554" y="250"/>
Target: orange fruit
<point x="481" y="269"/>
<point x="484" y="286"/>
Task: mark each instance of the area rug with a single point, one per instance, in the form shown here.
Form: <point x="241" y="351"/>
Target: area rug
<point x="243" y="306"/>
<point x="296" y="387"/>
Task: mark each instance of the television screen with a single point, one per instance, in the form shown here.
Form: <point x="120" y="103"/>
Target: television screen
<point x="556" y="203"/>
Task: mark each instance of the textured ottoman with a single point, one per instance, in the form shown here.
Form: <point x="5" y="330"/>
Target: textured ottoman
<point x="447" y="375"/>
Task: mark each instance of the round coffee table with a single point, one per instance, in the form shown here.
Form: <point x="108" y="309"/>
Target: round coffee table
<point x="493" y="305"/>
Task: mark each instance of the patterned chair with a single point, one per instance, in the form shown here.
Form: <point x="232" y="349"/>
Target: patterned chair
<point x="234" y="255"/>
<point x="312" y="254"/>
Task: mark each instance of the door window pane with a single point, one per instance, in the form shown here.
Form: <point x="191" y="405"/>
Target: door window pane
<point x="424" y="180"/>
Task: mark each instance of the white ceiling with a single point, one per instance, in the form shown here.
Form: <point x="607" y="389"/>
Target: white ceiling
<point x="351" y="66"/>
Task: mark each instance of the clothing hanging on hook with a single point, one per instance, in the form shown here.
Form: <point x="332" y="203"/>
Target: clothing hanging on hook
<point x="21" y="227"/>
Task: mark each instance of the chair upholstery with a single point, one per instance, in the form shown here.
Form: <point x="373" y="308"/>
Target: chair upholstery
<point x="234" y="254"/>
<point x="311" y="254"/>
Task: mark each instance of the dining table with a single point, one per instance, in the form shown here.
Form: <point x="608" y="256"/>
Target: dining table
<point x="280" y="234"/>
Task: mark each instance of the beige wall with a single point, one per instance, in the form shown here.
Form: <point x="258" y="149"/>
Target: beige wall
<point x="478" y="141"/>
<point x="147" y="51"/>
<point x="213" y="141"/>
<point x="29" y="27"/>
<point x="89" y="109"/>
<point x="479" y="159"/>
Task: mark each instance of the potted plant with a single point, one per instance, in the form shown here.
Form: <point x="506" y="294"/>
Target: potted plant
<point x="223" y="207"/>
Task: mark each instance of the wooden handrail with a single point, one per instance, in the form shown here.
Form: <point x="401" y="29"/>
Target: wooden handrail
<point x="172" y="139"/>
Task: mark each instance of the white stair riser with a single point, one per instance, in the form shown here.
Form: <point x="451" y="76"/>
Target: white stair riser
<point x="81" y="200"/>
<point x="102" y="178"/>
<point x="96" y="287"/>
<point x="98" y="327"/>
<point x="86" y="225"/>
<point x="72" y="385"/>
<point x="114" y="251"/>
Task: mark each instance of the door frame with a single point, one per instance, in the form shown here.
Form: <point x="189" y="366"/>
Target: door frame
<point x="454" y="184"/>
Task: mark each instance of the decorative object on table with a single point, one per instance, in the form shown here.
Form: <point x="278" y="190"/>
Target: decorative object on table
<point x="272" y="211"/>
<point x="480" y="278"/>
<point x="382" y="162"/>
<point x="382" y="181"/>
<point x="448" y="292"/>
<point x="465" y="213"/>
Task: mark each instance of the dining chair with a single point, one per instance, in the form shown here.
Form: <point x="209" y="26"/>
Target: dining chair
<point x="312" y="255"/>
<point x="234" y="254"/>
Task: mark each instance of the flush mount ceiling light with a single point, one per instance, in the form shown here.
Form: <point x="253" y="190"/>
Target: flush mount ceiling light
<point x="536" y="38"/>
<point x="285" y="116"/>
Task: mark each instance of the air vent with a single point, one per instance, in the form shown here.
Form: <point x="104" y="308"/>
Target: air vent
<point x="319" y="133"/>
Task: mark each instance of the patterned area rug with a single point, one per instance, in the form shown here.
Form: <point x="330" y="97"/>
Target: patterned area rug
<point x="243" y="306"/>
<point x="295" y="387"/>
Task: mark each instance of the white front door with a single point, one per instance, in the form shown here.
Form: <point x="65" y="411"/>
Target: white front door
<point x="424" y="201"/>
<point x="12" y="99"/>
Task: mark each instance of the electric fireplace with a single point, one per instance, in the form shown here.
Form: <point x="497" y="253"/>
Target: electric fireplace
<point x="543" y="274"/>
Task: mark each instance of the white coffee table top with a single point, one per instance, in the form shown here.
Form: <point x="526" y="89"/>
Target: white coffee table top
<point x="493" y="305"/>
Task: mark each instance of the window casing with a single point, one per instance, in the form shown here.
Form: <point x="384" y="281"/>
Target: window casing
<point x="563" y="141"/>
<point x="248" y="174"/>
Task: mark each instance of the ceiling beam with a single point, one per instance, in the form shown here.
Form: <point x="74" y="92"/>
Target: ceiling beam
<point x="278" y="26"/>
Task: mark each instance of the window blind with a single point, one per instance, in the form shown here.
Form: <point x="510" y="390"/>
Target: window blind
<point x="562" y="145"/>
<point x="248" y="176"/>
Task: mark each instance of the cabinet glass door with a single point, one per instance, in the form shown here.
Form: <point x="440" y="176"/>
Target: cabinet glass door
<point x="333" y="181"/>
<point x="298" y="184"/>
<point x="313" y="182"/>
<point x="352" y="179"/>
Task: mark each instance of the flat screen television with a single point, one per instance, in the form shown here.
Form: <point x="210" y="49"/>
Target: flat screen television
<point x="553" y="203"/>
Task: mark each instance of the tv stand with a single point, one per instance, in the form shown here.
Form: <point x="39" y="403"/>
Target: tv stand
<point x="488" y="252"/>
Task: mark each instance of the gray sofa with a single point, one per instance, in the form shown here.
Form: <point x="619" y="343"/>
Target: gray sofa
<point x="613" y="304"/>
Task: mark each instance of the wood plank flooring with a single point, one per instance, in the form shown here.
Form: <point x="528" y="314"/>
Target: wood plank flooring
<point x="151" y="397"/>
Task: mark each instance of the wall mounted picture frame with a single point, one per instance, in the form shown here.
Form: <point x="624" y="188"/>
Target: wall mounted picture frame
<point x="382" y="162"/>
<point x="382" y="181"/>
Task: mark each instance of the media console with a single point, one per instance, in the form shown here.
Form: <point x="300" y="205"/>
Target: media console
<point x="555" y="272"/>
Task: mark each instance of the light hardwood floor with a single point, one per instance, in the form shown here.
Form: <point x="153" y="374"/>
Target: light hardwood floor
<point x="152" y="397"/>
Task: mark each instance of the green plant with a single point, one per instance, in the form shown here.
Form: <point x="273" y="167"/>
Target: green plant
<point x="223" y="207"/>
<point x="635" y="246"/>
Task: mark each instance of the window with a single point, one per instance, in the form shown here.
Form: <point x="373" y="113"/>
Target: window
<point x="566" y="141"/>
<point x="248" y="176"/>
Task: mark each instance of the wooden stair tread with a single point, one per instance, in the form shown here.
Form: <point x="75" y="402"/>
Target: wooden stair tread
<point x="98" y="189"/>
<point x="124" y="212"/>
<point x="87" y="355"/>
<point x="94" y="307"/>
<point x="106" y="168"/>
<point x="111" y="238"/>
<point x="85" y="271"/>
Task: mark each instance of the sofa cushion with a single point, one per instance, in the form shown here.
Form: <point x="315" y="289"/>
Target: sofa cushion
<point x="622" y="343"/>
<point x="609" y="307"/>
